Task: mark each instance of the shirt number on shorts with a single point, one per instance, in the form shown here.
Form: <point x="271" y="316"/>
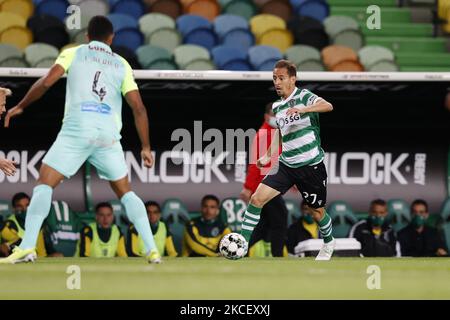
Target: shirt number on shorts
<point x="308" y="195"/>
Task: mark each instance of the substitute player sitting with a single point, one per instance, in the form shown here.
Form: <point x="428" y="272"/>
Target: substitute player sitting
<point x="96" y="80"/>
<point x="301" y="160"/>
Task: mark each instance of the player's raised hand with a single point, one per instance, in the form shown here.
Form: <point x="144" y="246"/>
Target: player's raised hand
<point x="262" y="162"/>
<point x="147" y="157"/>
<point x="3" y="94"/>
<point x="14" y="112"/>
<point x="8" y="166"/>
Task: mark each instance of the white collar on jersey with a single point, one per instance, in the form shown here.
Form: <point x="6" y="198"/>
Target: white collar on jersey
<point x="290" y="97"/>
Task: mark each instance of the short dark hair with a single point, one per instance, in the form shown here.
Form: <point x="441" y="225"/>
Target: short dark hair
<point x="210" y="197"/>
<point x="103" y="205"/>
<point x="100" y="28"/>
<point x="19" y="196"/>
<point x="419" y="201"/>
<point x="378" y="202"/>
<point x="153" y="203"/>
<point x="289" y="65"/>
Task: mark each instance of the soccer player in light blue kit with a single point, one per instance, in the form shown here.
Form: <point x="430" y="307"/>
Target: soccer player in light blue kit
<point x="96" y="80"/>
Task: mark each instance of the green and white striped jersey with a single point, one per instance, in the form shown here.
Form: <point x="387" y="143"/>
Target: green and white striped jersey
<point x="300" y="133"/>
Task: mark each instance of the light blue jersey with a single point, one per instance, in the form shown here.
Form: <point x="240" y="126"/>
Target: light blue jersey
<point x="96" y="80"/>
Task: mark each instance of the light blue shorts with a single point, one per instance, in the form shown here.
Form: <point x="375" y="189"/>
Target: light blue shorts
<point x="68" y="153"/>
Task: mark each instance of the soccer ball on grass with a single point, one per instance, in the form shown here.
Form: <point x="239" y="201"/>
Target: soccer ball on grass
<point x="233" y="246"/>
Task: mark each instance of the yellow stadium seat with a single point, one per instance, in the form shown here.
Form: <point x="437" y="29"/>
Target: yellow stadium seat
<point x="279" y="38"/>
<point x="18" y="36"/>
<point x="443" y="9"/>
<point x="24" y="8"/>
<point x="8" y="19"/>
<point x="262" y="23"/>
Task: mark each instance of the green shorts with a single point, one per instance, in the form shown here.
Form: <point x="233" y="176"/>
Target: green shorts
<point x="68" y="153"/>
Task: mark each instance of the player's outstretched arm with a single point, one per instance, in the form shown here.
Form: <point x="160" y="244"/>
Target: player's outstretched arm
<point x="141" y="121"/>
<point x="320" y="106"/>
<point x="274" y="146"/>
<point x="37" y="90"/>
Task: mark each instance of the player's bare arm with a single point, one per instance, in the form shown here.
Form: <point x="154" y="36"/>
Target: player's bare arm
<point x="134" y="100"/>
<point x="320" y="106"/>
<point x="37" y="90"/>
<point x="274" y="146"/>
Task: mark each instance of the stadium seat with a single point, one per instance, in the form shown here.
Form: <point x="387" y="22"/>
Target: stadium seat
<point x="279" y="8"/>
<point x="91" y="8"/>
<point x="344" y="31"/>
<point x="411" y="59"/>
<point x="48" y="29"/>
<point x="398" y="30"/>
<point x="389" y="15"/>
<point x="160" y="31"/>
<point x="172" y="8"/>
<point x="376" y="58"/>
<point x="305" y="57"/>
<point x="232" y="212"/>
<point x="9" y="19"/>
<point x="262" y="23"/>
<point x="17" y="36"/>
<point x="175" y="215"/>
<point x="133" y="8"/>
<point x="309" y="31"/>
<point x="5" y="210"/>
<point x="399" y="214"/>
<point x="263" y="58"/>
<point x="36" y="53"/>
<point x="294" y="213"/>
<point x="197" y="30"/>
<point x="233" y="30"/>
<point x="230" y="58"/>
<point x="55" y="8"/>
<point x="278" y="38"/>
<point x="24" y="8"/>
<point x="343" y="218"/>
<point x="14" y="62"/>
<point x="120" y="216"/>
<point x="243" y="8"/>
<point x="126" y="31"/>
<point x="407" y="44"/>
<point x="64" y="227"/>
<point x="340" y="58"/>
<point x="208" y="9"/>
<point x="152" y="22"/>
<point x="151" y="57"/>
<point x="187" y="53"/>
<point x="445" y="214"/>
<point x="317" y="9"/>
<point x="9" y="51"/>
<point x="355" y="3"/>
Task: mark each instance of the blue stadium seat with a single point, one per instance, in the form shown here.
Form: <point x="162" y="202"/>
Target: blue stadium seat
<point x="233" y="30"/>
<point x="317" y="9"/>
<point x="229" y="22"/>
<point x="196" y="30"/>
<point x="126" y="31"/>
<point x="56" y="8"/>
<point x="175" y="215"/>
<point x="230" y="58"/>
<point x="134" y="8"/>
<point x="263" y="58"/>
<point x="122" y="21"/>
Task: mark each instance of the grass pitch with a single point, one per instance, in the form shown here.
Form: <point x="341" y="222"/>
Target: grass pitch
<point x="218" y="278"/>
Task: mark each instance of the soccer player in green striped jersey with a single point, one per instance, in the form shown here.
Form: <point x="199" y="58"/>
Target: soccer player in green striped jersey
<point x="301" y="161"/>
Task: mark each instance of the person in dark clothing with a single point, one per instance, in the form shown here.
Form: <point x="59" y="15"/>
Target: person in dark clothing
<point x="303" y="229"/>
<point x="419" y="240"/>
<point x="375" y="234"/>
